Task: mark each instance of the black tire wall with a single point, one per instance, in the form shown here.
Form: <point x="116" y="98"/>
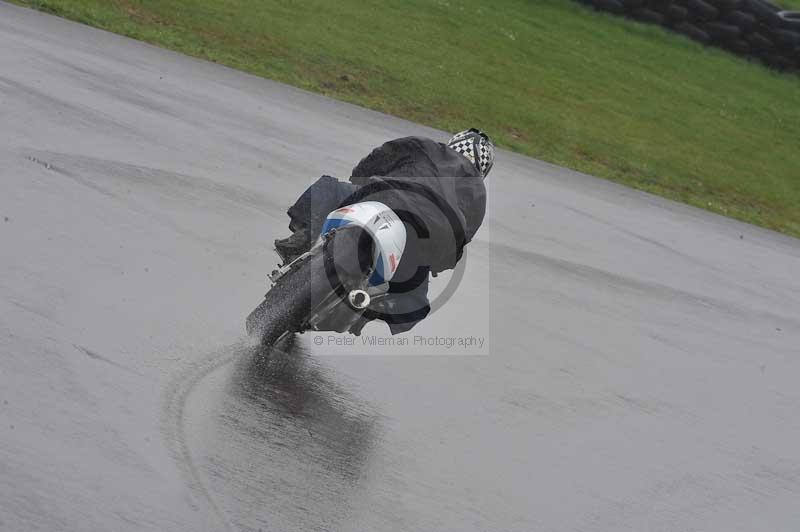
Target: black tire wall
<point x="754" y="29"/>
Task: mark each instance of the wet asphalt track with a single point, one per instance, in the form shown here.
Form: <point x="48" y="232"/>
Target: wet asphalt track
<point x="643" y="356"/>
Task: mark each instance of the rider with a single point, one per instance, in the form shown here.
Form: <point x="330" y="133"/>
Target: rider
<point x="437" y="190"/>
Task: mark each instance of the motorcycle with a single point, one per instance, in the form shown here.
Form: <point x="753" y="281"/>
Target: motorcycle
<point x="340" y="282"/>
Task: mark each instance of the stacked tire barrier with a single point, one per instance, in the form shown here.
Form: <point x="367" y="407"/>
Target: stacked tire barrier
<point x="755" y="29"/>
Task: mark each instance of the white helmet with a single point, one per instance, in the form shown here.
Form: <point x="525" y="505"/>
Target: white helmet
<point x="476" y="146"/>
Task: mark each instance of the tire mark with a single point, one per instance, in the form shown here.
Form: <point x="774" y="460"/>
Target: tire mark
<point x="173" y="421"/>
<point x="173" y="424"/>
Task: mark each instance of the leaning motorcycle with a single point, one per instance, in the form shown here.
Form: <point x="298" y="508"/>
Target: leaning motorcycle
<point x="334" y="285"/>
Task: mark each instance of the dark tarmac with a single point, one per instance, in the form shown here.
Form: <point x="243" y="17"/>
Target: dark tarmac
<point x="638" y="367"/>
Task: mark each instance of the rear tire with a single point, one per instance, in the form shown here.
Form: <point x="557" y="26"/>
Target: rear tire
<point x="289" y="303"/>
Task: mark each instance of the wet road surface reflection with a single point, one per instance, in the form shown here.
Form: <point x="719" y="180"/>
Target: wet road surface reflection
<point x="277" y="443"/>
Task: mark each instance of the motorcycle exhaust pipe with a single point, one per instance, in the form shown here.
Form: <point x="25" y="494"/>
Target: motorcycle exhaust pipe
<point x="358" y="299"/>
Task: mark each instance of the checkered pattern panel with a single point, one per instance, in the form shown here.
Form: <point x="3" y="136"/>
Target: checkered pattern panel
<point x="485" y="158"/>
<point x="474" y="148"/>
<point x="464" y="147"/>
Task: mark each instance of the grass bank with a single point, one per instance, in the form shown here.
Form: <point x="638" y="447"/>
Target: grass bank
<point x="548" y="78"/>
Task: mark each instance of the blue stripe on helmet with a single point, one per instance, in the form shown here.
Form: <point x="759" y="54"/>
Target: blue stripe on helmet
<point x="377" y="276"/>
<point x="333" y="223"/>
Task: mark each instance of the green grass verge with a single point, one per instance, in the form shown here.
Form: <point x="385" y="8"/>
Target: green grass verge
<point x="632" y="103"/>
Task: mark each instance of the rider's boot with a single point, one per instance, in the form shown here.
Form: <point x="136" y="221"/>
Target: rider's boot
<point x="293" y="246"/>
